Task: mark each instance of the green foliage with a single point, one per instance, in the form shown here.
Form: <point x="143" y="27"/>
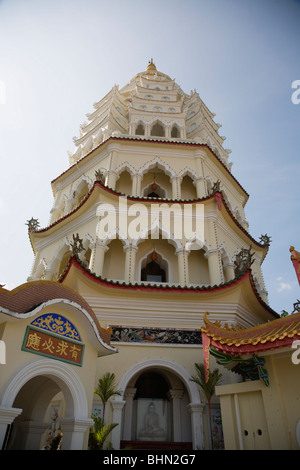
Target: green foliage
<point x="215" y="378"/>
<point x="99" y="433"/>
<point x="106" y="389"/>
<point x="208" y="388"/>
<point x="284" y="313"/>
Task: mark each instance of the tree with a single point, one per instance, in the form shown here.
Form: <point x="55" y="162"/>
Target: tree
<point x="208" y="387"/>
<point x="106" y="389"/>
<point x="99" y="433"/>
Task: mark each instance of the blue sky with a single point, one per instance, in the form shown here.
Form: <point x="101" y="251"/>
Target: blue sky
<point x="58" y="57"/>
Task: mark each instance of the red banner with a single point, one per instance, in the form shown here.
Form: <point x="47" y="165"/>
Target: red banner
<point x="206" y="344"/>
<point x="295" y="257"/>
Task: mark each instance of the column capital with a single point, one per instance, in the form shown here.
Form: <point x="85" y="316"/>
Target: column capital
<point x="75" y="424"/>
<point x="7" y="415"/>
<point x="129" y="248"/>
<point x="196" y="407"/>
<point x="211" y="252"/>
<point x="175" y="394"/>
<point x="118" y="405"/>
<point x="130" y="392"/>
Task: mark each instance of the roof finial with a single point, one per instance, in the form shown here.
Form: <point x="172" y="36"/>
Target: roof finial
<point x="151" y="65"/>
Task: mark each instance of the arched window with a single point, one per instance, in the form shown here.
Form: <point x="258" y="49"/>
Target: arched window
<point x="140" y="130"/>
<point x="80" y="193"/>
<point x="153" y="271"/>
<point x="154" y="190"/>
<point x="64" y="263"/>
<point x="158" y="130"/>
<point x="175" y="132"/>
<point x="124" y="183"/>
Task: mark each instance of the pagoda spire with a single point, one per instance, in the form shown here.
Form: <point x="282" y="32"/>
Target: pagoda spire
<point x="151" y="65"/>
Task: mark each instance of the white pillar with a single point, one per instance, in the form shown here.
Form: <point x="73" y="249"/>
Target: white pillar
<point x="111" y="179"/>
<point x="117" y="406"/>
<point x="200" y="187"/>
<point x="33" y="432"/>
<point x="136" y="185"/>
<point x="97" y="257"/>
<point x="49" y="274"/>
<point x="200" y="157"/>
<point x="176" y="187"/>
<point x="69" y="206"/>
<point x="129" y="396"/>
<point x="74" y="430"/>
<point x="229" y="271"/>
<point x="214" y="267"/>
<point x="183" y="267"/>
<point x="176" y="396"/>
<point x="196" y="410"/>
<point x="168" y="131"/>
<point x="7" y="416"/>
<point x="130" y="257"/>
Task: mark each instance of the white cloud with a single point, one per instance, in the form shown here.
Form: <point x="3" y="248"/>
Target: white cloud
<point x="283" y="286"/>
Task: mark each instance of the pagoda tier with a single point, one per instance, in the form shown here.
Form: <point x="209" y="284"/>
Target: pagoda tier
<point x="150" y="105"/>
<point x="149" y="147"/>
<point x="188" y="262"/>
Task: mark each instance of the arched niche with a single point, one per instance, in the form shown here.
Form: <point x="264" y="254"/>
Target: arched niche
<point x="114" y="261"/>
<point x="188" y="189"/>
<point x="157" y="129"/>
<point x="124" y="183"/>
<point x="154" y="268"/>
<point x="157" y="261"/>
<point x="198" y="268"/>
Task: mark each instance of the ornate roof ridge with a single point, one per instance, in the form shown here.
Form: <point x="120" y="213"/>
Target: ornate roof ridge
<point x="278" y="329"/>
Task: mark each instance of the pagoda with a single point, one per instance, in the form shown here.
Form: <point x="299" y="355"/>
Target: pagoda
<point x="148" y="226"/>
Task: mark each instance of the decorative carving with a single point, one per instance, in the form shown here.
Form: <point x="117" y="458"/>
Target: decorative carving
<point x="99" y="176"/>
<point x="216" y="187"/>
<point x="155" y="335"/>
<point x="57" y="324"/>
<point x="33" y="224"/>
<point x="252" y="368"/>
<point x="296" y="306"/>
<point x="77" y="246"/>
<point x="244" y="260"/>
<point x="265" y="240"/>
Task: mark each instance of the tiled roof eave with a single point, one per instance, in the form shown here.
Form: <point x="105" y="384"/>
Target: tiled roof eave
<point x="280" y="332"/>
<point x="164" y="288"/>
<point x="152" y="200"/>
<point x="29" y="298"/>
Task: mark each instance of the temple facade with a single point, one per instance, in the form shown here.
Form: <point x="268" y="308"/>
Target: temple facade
<point x="148" y="226"/>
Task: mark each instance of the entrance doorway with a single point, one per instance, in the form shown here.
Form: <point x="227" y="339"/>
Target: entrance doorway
<point x="31" y="392"/>
<point x="156" y="414"/>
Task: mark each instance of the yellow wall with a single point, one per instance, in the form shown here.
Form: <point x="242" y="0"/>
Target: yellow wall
<point x="256" y="416"/>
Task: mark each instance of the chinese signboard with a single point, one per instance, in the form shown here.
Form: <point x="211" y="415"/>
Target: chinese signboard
<point x="51" y="345"/>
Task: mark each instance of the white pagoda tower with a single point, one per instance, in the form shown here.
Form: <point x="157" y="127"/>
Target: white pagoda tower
<point x="148" y="226"/>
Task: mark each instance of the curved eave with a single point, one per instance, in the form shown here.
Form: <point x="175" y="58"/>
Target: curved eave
<point x="275" y="334"/>
<point x="97" y="184"/>
<point x="30" y="298"/>
<point x="155" y="141"/>
<point x="244" y="281"/>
